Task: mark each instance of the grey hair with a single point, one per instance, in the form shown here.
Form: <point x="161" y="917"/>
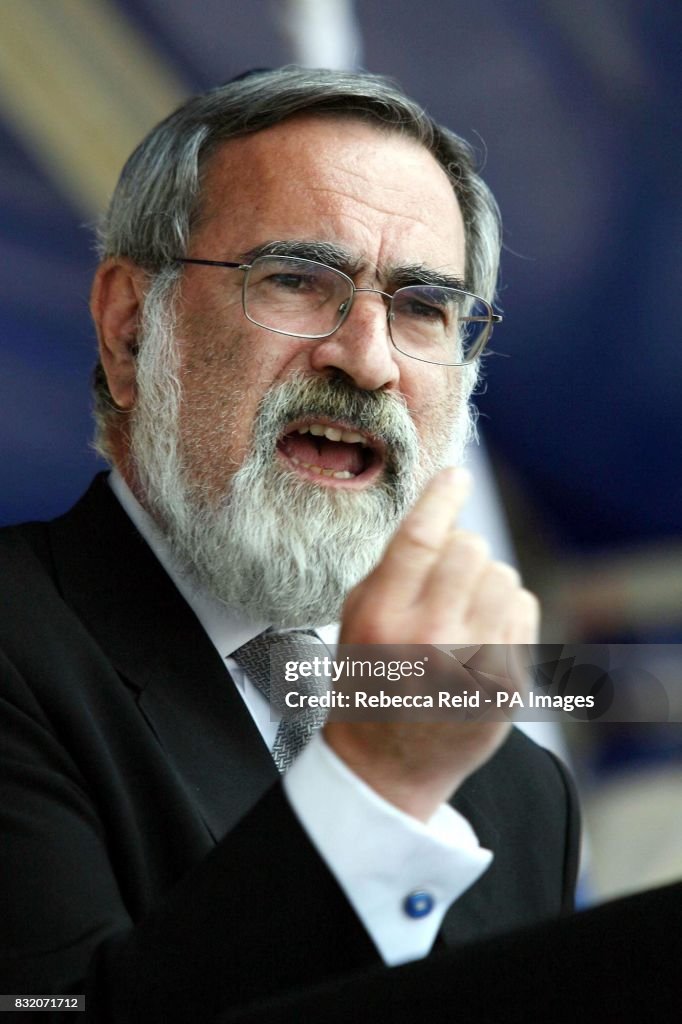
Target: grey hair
<point x="156" y="202"/>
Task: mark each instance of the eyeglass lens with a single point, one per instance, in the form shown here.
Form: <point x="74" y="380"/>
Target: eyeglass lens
<point x="307" y="299"/>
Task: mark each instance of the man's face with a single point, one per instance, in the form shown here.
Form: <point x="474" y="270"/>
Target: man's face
<point x="380" y="198"/>
<point x="280" y="466"/>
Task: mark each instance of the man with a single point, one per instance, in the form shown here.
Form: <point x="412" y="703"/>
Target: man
<point x="289" y="328"/>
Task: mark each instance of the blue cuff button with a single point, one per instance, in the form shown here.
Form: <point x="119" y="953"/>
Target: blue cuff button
<point x="419" y="903"/>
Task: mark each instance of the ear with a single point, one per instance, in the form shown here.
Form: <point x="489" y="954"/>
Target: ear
<point x="116" y="303"/>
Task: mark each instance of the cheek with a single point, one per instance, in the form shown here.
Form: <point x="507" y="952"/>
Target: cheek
<point x="224" y="375"/>
<point x="220" y="355"/>
<point x="434" y="398"/>
<point x="217" y="403"/>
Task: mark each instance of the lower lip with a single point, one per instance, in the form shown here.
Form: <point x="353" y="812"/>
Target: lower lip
<point x="365" y="479"/>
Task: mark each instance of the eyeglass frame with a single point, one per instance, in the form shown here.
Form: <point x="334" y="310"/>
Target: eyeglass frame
<point x="492" y="319"/>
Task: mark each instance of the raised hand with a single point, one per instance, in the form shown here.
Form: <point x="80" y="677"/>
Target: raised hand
<point x="436" y="584"/>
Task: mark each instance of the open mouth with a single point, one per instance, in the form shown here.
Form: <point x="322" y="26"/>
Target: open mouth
<point x="331" y="453"/>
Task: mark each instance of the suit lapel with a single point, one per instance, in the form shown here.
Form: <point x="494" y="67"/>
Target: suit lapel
<point x="110" y="577"/>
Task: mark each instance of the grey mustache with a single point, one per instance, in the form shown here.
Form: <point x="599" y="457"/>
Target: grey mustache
<point x="382" y="415"/>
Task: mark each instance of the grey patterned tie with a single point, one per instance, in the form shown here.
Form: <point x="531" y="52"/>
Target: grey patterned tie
<point x="264" y="659"/>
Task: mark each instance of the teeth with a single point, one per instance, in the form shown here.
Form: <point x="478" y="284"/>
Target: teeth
<point x="340" y="475"/>
<point x="333" y="433"/>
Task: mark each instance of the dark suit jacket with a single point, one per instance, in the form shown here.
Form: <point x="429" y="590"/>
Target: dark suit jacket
<point x="148" y="854"/>
<point x="613" y="964"/>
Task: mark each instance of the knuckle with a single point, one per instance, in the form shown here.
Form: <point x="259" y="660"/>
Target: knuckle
<point x="524" y="622"/>
<point x="528" y="602"/>
<point x="372" y="633"/>
<point x="471" y="546"/>
<point x="440" y="629"/>
<point x="419" y="534"/>
<point x="359" y="628"/>
<point x="505" y="575"/>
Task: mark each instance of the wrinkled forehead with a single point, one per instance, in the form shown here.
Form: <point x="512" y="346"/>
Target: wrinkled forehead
<point x="305" y="133"/>
<point x="340" y="179"/>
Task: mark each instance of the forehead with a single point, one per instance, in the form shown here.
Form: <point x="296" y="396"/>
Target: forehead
<point x="379" y="194"/>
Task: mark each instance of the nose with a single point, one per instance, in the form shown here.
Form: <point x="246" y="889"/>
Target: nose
<point x="361" y="348"/>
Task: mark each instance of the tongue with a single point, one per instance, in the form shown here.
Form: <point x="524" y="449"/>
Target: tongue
<point x="335" y="455"/>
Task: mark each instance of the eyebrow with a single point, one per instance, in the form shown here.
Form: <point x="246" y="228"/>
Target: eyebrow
<point x="338" y="258"/>
<point x="331" y="255"/>
<point x="419" y="273"/>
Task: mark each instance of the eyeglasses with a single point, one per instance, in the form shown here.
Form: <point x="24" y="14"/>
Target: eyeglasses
<point x="305" y="299"/>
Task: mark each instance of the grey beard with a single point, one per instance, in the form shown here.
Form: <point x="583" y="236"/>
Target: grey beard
<point x="275" y="547"/>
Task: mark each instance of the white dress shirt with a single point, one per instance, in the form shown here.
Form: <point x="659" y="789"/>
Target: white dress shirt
<point x="380" y="856"/>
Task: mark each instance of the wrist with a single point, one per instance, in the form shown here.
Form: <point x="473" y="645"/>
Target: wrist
<point x="375" y="754"/>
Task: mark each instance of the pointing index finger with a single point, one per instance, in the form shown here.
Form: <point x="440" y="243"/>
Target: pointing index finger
<point x="418" y="541"/>
<point x="436" y="511"/>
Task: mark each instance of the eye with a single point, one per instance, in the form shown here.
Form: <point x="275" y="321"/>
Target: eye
<point x="291" y="277"/>
<point x="298" y="284"/>
<point x="293" y="282"/>
<point x="289" y="282"/>
<point x="423" y="310"/>
<point x="423" y="303"/>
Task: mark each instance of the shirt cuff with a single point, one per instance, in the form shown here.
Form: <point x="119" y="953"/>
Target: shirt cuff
<point x="390" y="865"/>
